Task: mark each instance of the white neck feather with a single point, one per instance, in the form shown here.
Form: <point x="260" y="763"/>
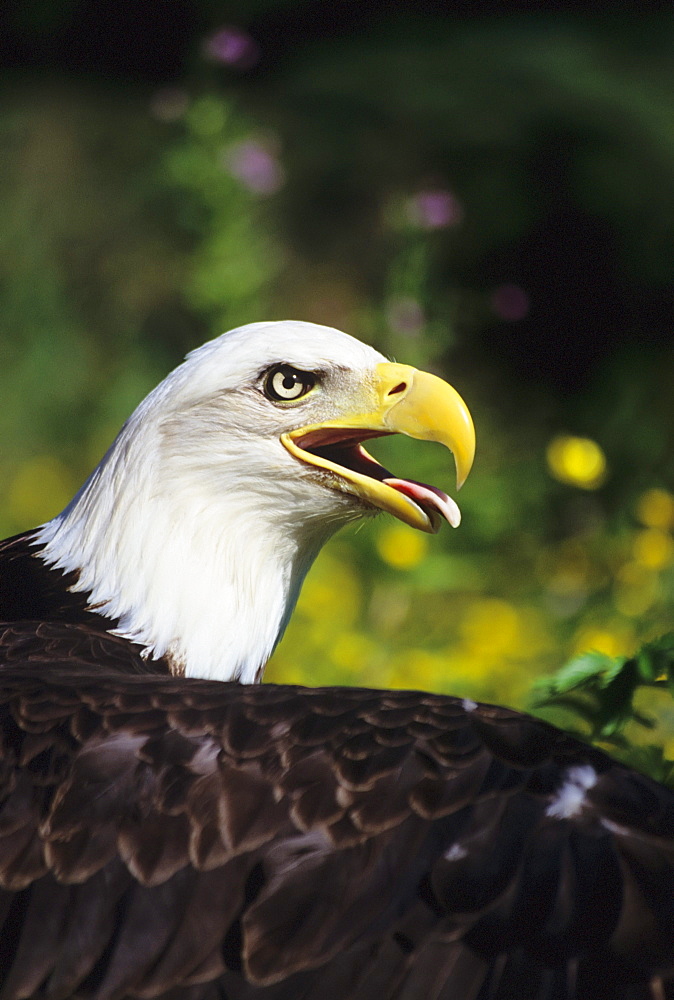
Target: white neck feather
<point x="197" y="551"/>
<point x="204" y="584"/>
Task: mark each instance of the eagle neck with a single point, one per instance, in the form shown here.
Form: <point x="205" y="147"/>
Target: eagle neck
<point x="204" y="579"/>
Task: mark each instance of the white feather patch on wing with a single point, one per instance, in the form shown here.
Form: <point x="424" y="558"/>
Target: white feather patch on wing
<point x="570" y="797"/>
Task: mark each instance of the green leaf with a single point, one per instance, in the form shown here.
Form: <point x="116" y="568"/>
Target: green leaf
<point x="585" y="668"/>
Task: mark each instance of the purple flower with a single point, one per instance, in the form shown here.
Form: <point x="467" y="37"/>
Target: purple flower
<point x="233" y="47"/>
<point x="510" y="302"/>
<point x="434" y="209"/>
<point x="255" y="165"/>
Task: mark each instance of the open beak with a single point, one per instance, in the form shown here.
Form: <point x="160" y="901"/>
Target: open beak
<point x="405" y="401"/>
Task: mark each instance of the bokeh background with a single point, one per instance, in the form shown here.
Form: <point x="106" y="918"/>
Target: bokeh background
<point x="487" y="195"/>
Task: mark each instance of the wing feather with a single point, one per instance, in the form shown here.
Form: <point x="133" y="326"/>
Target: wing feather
<point x="170" y="838"/>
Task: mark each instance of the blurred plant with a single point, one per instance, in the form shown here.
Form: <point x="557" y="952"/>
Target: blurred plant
<point x="233" y="47"/>
<point x="256" y="165"/>
<point x="127" y="241"/>
<point x="421" y="219"/>
<point x="435" y="209"/>
<point x="217" y="172"/>
<point x="600" y="692"/>
<point x="541" y="567"/>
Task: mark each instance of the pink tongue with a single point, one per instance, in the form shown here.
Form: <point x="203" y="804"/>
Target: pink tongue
<point x="428" y="496"/>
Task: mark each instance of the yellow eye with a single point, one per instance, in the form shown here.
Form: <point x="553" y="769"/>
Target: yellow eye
<point x="283" y="383"/>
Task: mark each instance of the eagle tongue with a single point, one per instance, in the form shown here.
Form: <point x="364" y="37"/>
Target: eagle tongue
<point x="428" y="496"/>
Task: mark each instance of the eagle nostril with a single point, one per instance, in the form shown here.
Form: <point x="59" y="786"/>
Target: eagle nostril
<point x="400" y="387"/>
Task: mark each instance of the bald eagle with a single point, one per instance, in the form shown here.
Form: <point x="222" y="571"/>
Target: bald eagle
<point x="171" y="829"/>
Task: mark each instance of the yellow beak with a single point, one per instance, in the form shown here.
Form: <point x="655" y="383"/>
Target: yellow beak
<point x="405" y="401"/>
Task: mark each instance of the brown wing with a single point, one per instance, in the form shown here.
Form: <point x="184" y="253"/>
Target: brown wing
<point x="31" y="590"/>
<point x="191" y="840"/>
<point x="70" y="645"/>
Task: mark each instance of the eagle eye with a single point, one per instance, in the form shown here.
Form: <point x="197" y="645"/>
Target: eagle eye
<point x="283" y="383"/>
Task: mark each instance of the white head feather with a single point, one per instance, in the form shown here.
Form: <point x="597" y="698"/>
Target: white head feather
<point x="198" y="527"/>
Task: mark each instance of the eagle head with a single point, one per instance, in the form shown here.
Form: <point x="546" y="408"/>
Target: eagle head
<point x="194" y="533"/>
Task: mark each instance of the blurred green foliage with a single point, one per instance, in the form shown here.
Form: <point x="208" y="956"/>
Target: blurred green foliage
<point x="397" y="184"/>
<point x="606" y="699"/>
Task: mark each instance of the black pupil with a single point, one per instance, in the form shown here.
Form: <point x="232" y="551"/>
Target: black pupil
<point x="286" y="383"/>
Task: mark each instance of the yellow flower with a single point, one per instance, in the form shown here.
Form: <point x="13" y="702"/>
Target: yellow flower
<point x="614" y="641"/>
<point x="637" y="589"/>
<point x="492" y="628"/>
<point x="655" y="509"/>
<point x="401" y="547"/>
<point x="653" y="548"/>
<point x="352" y="651"/>
<point x="577" y="461"/>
